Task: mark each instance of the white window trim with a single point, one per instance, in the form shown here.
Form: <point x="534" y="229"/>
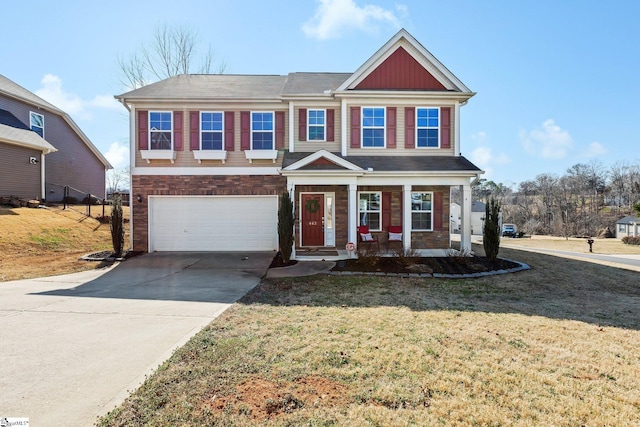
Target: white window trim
<point x="384" y="128"/>
<point x="428" y="127"/>
<point x="149" y="131"/>
<point x="379" y="228"/>
<point x="421" y="211"/>
<point x="31" y="125"/>
<point x="324" y="126"/>
<point x="273" y="131"/>
<point x="212" y="131"/>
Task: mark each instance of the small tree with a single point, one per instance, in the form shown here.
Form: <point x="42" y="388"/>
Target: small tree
<point x="636" y="208"/>
<point x="117" y="225"/>
<point x="285" y="226"/>
<point x="491" y="232"/>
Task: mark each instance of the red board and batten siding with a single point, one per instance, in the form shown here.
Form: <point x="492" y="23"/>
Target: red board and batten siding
<point x="400" y="71"/>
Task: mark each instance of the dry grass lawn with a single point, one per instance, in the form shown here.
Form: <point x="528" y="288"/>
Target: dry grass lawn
<point x="555" y="345"/>
<point x="600" y="246"/>
<point x="47" y="242"/>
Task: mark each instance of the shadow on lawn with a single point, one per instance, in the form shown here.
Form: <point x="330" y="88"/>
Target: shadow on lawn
<point x="555" y="287"/>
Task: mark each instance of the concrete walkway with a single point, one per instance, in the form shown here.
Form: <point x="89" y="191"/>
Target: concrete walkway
<point x="629" y="262"/>
<point x="74" y="346"/>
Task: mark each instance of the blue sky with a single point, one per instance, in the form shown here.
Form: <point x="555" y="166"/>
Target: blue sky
<point x="556" y="81"/>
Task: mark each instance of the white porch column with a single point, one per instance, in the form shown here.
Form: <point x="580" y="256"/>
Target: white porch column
<point x="353" y="214"/>
<point x="292" y="196"/>
<point x="465" y="232"/>
<point x="406" y="217"/>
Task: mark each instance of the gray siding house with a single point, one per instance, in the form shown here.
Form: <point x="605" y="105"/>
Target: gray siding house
<point x="628" y="226"/>
<point x="64" y="156"/>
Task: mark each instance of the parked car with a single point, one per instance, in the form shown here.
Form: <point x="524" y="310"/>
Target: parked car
<point x="509" y="230"/>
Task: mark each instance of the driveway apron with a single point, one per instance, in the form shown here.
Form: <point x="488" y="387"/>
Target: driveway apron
<point x="74" y="346"/>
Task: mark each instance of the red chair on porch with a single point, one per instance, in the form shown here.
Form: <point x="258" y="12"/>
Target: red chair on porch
<point x="367" y="238"/>
<point x="395" y="235"/>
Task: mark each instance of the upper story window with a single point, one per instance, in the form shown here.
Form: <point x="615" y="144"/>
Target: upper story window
<point x="316" y="125"/>
<point x="160" y="130"/>
<point x="36" y="122"/>
<point x="262" y="130"/>
<point x="427" y="127"/>
<point x="370" y="210"/>
<point x="373" y="127"/>
<point x="211" y="130"/>
<point x="422" y="211"/>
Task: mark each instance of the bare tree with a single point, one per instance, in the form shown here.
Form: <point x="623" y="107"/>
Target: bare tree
<point x="173" y="51"/>
<point x="117" y="179"/>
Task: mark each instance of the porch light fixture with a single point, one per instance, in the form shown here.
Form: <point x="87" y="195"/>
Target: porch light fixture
<point x="139" y="198"/>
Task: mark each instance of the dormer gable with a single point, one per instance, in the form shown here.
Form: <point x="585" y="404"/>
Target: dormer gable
<point x="403" y="64"/>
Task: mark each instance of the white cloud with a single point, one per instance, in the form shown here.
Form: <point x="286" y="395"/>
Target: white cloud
<point x="53" y="92"/>
<point x="595" y="149"/>
<point x="333" y="17"/>
<point x="483" y="157"/>
<point x="118" y="155"/>
<point x="549" y="141"/>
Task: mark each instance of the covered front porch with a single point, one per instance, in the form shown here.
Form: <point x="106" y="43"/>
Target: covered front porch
<point x="335" y="197"/>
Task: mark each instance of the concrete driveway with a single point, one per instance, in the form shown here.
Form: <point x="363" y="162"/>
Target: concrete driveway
<point x="72" y="347"/>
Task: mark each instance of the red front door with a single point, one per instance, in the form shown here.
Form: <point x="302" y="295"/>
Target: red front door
<point x="312" y="208"/>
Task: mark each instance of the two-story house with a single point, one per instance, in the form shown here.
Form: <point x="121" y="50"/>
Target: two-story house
<point x="380" y="147"/>
<point x="42" y="149"/>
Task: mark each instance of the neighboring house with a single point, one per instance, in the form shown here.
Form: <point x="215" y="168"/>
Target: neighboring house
<point x="22" y="159"/>
<point x="72" y="159"/>
<point x="478" y="210"/>
<point x="210" y="155"/>
<point x="628" y="226"/>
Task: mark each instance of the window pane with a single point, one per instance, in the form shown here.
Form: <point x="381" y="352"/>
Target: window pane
<point x="316" y="117"/>
<point x="160" y="121"/>
<point x="211" y="121"/>
<point x="212" y="141"/>
<point x="161" y="140"/>
<point x="316" y="133"/>
<point x="421" y="220"/>
<point x="262" y="141"/>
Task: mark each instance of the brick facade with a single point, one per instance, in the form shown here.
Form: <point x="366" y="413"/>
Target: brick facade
<point x="192" y="185"/>
<point x="436" y="239"/>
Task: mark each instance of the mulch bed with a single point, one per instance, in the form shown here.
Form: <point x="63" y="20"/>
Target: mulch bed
<point x="429" y="265"/>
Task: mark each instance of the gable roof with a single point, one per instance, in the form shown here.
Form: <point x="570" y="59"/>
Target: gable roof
<point x="13" y="90"/>
<point x="411" y="66"/>
<point x="629" y="220"/>
<point x="414" y="54"/>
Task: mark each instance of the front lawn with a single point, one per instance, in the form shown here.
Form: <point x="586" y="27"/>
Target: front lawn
<point x="555" y="345"/>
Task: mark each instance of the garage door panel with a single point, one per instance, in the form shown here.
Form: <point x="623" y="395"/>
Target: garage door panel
<point x="181" y="223"/>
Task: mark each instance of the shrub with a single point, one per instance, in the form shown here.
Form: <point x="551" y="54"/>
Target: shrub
<point x="630" y="240"/>
<point x="117" y="226"/>
<point x="491" y="230"/>
<point x="285" y="226"/>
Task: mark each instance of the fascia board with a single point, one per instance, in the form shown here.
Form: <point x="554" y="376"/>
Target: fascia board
<point x="422" y="95"/>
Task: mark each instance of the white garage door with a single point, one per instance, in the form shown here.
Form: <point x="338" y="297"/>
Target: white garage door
<point x="213" y="223"/>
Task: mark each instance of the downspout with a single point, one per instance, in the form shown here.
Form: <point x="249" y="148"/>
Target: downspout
<point x="43" y="185"/>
